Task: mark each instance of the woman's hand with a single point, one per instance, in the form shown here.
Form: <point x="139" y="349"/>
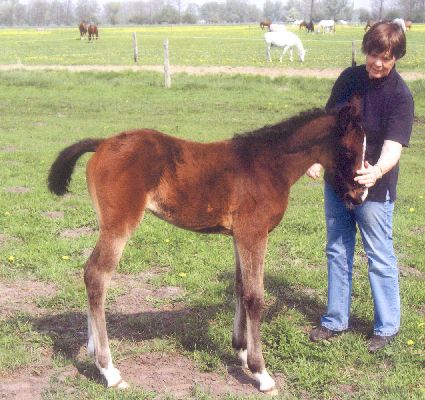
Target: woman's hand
<point x="314" y="171"/>
<point x="368" y="175"/>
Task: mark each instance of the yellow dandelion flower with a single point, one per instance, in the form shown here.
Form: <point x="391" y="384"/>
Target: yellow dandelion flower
<point x="65" y="257"/>
<point x="411" y="209"/>
<point x="410" y="342"/>
<point x="182" y="274"/>
<point x="11" y="259"/>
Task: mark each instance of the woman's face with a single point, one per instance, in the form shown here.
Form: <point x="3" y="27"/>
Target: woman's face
<point x="379" y="65"/>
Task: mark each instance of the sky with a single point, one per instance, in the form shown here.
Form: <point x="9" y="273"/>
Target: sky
<point x="260" y="3"/>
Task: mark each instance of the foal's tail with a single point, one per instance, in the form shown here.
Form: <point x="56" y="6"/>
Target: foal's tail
<point x="62" y="168"/>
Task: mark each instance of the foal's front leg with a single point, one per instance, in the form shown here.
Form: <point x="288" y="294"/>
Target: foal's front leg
<point x="239" y="323"/>
<point x="250" y="252"/>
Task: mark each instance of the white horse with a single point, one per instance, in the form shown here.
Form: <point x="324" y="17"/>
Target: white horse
<point x="277" y="28"/>
<point x="326" y="25"/>
<point x="286" y="41"/>
<point x="400" y="22"/>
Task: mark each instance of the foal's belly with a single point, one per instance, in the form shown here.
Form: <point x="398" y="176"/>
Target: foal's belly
<point x="203" y="219"/>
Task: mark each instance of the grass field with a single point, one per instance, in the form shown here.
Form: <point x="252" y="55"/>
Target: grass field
<point x="44" y="240"/>
<point x="191" y="45"/>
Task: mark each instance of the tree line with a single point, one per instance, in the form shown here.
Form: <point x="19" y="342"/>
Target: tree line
<point x="71" y="12"/>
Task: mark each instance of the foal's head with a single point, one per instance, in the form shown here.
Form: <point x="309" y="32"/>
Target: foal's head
<point x="349" y="154"/>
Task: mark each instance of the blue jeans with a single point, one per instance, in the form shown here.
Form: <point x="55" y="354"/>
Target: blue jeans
<point x="374" y="221"/>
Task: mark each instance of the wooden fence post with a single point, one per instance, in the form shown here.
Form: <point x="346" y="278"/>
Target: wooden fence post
<point x="167" y="76"/>
<point x="135" y="49"/>
<point x="353" y="54"/>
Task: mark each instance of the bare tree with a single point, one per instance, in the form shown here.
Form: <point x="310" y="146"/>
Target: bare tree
<point x="378" y="9"/>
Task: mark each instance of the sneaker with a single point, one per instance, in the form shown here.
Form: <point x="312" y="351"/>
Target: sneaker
<point x="377" y="342"/>
<point x="322" y="333"/>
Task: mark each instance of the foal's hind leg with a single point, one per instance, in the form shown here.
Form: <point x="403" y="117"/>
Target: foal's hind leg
<point x="251" y="252"/>
<point x="97" y="276"/>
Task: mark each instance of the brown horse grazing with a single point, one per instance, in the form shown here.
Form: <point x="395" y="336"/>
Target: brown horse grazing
<point x="265" y="23"/>
<point x="83" y="29"/>
<point x="310" y="26"/>
<point x="369" y="24"/>
<point x="303" y="25"/>
<point x="238" y="187"/>
<point x="92" y="32"/>
<point x="408" y="24"/>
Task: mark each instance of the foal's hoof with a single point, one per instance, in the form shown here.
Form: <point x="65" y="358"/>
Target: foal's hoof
<point x="271" y="392"/>
<point x="122" y="384"/>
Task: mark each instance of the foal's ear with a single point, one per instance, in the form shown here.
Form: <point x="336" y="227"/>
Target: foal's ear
<point x="356" y="104"/>
<point x="345" y="115"/>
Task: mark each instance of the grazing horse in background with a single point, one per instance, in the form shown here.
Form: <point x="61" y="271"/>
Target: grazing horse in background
<point x="265" y="23"/>
<point x="238" y="187"/>
<point x="369" y="24"/>
<point x="92" y="32"/>
<point x="277" y="28"/>
<point x="286" y="41"/>
<point x="83" y="29"/>
<point x="326" y="25"/>
<point x="310" y="27"/>
<point x="408" y="24"/>
<point x="303" y="25"/>
<point x="400" y="23"/>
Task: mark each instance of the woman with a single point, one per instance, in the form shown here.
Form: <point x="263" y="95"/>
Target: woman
<point x="387" y="108"/>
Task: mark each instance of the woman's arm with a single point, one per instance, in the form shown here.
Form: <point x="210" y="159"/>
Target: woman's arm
<point x="390" y="155"/>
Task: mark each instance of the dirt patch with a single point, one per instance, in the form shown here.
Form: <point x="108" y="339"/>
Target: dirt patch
<point x="175" y="375"/>
<point x="20" y="296"/>
<point x="6" y="239"/>
<point x="30" y="388"/>
<point x="53" y="214"/>
<point x="410" y="271"/>
<point x="77" y="232"/>
<point x="139" y="296"/>
<point x="18" y="189"/>
<point x="272" y="72"/>
<point x="8" y="149"/>
<point x="169" y="374"/>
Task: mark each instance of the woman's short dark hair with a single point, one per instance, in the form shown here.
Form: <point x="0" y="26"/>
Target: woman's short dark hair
<point x="385" y="37"/>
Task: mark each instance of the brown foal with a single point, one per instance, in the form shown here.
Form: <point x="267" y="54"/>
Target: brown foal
<point x="238" y="187"/>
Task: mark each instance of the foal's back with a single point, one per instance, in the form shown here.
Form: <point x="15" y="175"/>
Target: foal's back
<point x="189" y="184"/>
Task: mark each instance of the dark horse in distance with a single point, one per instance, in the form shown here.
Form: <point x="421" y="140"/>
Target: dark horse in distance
<point x="309" y="26"/>
<point x="238" y="187"/>
<point x="92" y="32"/>
<point x="83" y="29"/>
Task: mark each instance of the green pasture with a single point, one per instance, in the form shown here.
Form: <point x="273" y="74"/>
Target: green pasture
<point x="42" y="112"/>
<point x="239" y="45"/>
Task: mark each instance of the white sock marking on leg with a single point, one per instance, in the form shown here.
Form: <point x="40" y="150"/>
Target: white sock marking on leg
<point x="265" y="380"/>
<point x="243" y="356"/>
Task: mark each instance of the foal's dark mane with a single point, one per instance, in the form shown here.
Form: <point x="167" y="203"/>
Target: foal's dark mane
<point x="274" y="137"/>
<point x="282" y="129"/>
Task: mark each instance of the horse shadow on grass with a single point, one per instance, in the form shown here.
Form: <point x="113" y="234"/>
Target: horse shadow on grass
<point x="188" y="326"/>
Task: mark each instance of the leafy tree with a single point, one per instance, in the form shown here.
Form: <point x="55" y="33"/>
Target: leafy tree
<point x="88" y="10"/>
<point x="168" y="14"/>
<point x="337" y="9"/>
<point x="57" y="13"/>
<point x="364" y="14"/>
<point x="213" y="12"/>
<point x="111" y="11"/>
<point x="274" y="10"/>
<point x="37" y="12"/>
<point x="12" y="13"/>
